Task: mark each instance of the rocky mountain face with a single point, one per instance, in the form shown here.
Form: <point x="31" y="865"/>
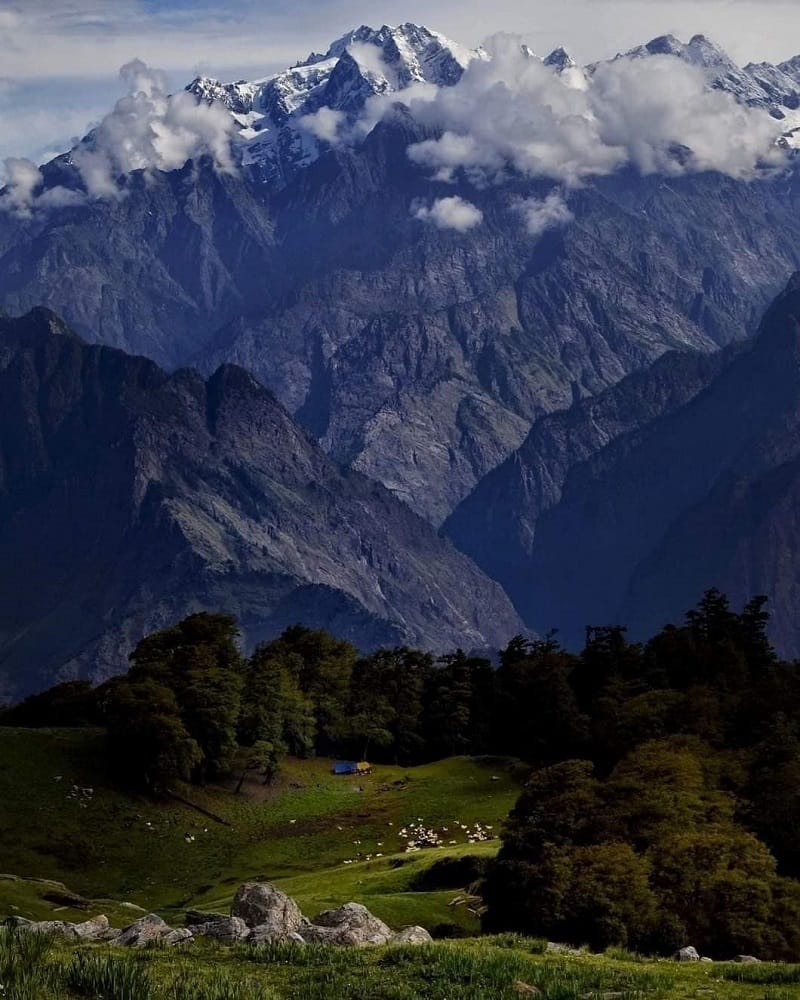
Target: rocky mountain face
<point x="129" y="497"/>
<point x="497" y="523"/>
<point x="417" y="355"/>
<point x="703" y="493"/>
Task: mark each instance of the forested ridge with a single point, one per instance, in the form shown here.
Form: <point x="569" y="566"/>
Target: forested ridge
<point x="664" y="800"/>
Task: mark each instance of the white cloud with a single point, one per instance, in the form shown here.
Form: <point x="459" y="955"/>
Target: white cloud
<point x="540" y="215"/>
<point x="325" y="124"/>
<point x="514" y="113"/>
<point x="449" y="213"/>
<point x="23" y="180"/>
<point x="147" y="130"/>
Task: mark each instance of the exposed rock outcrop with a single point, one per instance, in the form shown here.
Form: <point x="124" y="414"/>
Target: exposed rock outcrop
<point x="260" y="914"/>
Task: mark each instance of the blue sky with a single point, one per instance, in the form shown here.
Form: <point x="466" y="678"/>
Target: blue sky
<point x="59" y="59"/>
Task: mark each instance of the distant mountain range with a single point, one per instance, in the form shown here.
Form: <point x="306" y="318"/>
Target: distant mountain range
<point x="480" y="375"/>
<point x="626" y="507"/>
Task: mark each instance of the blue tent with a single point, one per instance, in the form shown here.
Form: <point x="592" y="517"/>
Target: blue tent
<point x="345" y="767"/>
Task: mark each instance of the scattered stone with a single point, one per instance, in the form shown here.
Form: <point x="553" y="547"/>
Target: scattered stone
<point x="553" y="948"/>
<point x="57" y="928"/>
<point x="747" y="960"/>
<point x="94" y="929"/>
<point x="687" y="954"/>
<point x="704" y="959"/>
<point x="180" y="935"/>
<point x="228" y="930"/>
<point x="412" y="935"/>
<point x="526" y="990"/>
<point x="143" y="931"/>
<point x="260" y="905"/>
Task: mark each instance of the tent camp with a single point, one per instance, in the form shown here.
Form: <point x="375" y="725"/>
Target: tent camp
<point x="351" y="767"/>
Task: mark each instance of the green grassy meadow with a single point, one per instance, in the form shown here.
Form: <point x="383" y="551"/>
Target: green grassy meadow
<point x="165" y="856"/>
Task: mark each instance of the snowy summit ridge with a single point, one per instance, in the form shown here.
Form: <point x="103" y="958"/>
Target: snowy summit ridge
<point x="363" y="63"/>
<point x="285" y="120"/>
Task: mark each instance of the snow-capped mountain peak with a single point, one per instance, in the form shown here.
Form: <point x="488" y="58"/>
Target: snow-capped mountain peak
<point x="702" y="51"/>
<point x="774" y="88"/>
<point x="361" y="64"/>
<point x="559" y="59"/>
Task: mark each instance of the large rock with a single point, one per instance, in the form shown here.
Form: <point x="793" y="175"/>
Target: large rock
<point x="228" y="930"/>
<point x="412" y="935"/>
<point x="261" y="905"/>
<point x="350" y="925"/>
<point x="144" y="931"/>
<point x="688" y="954"/>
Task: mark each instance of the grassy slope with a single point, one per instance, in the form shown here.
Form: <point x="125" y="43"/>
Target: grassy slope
<point x="115" y="846"/>
<point x="478" y="969"/>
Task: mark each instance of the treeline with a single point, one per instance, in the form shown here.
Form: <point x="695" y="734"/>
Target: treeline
<point x="193" y="708"/>
<point x="664" y="803"/>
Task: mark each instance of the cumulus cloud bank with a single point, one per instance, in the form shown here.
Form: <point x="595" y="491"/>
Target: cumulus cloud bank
<point x="449" y="213"/>
<point x="147" y="130"/>
<point x="514" y="113"/>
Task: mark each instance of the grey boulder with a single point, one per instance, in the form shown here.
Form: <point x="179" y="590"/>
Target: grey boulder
<point x="412" y="935"/>
<point x="180" y="935"/>
<point x="688" y="954"/>
<point x="261" y="905"/>
<point x="144" y="931"/>
<point x="350" y="925"/>
<point x="95" y="929"/>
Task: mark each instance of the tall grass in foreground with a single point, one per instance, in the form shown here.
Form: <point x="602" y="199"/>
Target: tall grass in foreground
<point x="110" y="977"/>
<point x="762" y="975"/>
<point x="220" y="985"/>
<point x="24" y="972"/>
<point x="496" y="969"/>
